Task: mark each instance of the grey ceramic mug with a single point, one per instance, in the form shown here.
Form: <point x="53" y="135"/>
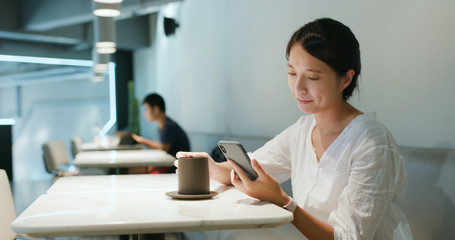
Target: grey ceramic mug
<point x="193" y="175"/>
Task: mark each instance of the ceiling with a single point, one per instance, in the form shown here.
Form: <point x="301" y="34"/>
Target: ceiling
<point x="64" y="29"/>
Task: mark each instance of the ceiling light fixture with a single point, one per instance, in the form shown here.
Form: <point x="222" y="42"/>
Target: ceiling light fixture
<point x="43" y="60"/>
<point x="100" y="62"/>
<point x="106" y="9"/>
<point x="98" y="77"/>
<point x="106" y="50"/>
<point x="109" y="1"/>
<point x="105" y="35"/>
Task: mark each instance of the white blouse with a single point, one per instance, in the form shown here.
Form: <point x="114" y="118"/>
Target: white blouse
<point x="359" y="184"/>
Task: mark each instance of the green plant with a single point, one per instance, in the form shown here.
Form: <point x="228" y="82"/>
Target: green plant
<point x="133" y="109"/>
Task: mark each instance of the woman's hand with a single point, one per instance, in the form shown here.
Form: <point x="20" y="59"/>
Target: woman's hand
<point x="264" y="187"/>
<point x="217" y="171"/>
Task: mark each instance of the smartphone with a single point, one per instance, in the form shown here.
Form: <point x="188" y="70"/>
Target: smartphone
<point x="235" y="151"/>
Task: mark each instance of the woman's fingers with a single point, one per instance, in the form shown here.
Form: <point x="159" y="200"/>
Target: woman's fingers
<point x="236" y="181"/>
<point x="233" y="178"/>
<point x="257" y="167"/>
<point x="191" y="154"/>
<point x="241" y="174"/>
<point x="183" y="154"/>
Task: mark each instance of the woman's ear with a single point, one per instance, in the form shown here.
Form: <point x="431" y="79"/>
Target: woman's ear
<point x="347" y="78"/>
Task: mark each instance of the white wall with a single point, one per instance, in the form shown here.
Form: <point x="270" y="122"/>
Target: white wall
<point x="224" y="71"/>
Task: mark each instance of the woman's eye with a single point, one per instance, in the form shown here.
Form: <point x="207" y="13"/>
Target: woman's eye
<point x="313" y="78"/>
<point x="291" y="74"/>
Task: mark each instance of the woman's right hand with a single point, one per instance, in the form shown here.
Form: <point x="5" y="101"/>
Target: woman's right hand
<point x="217" y="171"/>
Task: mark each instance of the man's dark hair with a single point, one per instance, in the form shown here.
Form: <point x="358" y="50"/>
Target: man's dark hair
<point x="153" y="100"/>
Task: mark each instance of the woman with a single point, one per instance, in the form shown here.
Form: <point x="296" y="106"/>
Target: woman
<point x="348" y="178"/>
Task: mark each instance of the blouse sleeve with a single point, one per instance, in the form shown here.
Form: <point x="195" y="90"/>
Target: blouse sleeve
<point x="275" y="155"/>
<point x="368" y="194"/>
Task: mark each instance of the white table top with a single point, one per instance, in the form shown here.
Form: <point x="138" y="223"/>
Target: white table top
<point x="88" y="211"/>
<point x="119" y="183"/>
<point x="92" y="146"/>
<point x="124" y="158"/>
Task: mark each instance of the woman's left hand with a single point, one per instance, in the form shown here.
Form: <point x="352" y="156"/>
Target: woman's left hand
<point x="264" y="187"/>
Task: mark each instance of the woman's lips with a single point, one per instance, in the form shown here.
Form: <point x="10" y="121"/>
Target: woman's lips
<point x="303" y="101"/>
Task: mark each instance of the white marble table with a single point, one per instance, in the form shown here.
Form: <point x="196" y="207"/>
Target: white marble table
<point x="118" y="183"/>
<point x="94" y="210"/>
<point x="123" y="158"/>
<point x="92" y="146"/>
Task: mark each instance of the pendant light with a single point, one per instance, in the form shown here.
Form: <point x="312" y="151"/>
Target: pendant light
<point x="102" y="9"/>
<point x="105" y="35"/>
<point x="100" y="62"/>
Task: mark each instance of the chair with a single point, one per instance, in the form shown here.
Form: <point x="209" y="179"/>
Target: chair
<point x="7" y="210"/>
<point x="75" y="145"/>
<point x="56" y="159"/>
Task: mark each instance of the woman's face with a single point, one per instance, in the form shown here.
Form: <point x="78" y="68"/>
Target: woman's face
<point x="314" y="84"/>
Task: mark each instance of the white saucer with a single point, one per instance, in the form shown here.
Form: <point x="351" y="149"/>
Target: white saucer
<point x="177" y="195"/>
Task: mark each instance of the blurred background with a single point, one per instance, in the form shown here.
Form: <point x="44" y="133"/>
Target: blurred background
<point x="222" y="70"/>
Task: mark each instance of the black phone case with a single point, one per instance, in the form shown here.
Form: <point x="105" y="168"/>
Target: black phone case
<point x="235" y="151"/>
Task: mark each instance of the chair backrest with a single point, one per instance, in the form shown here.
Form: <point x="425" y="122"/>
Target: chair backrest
<point x="75" y="145"/>
<point x="55" y="154"/>
<point x="7" y="211"/>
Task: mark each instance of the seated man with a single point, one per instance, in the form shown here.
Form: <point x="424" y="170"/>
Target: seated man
<point x="172" y="137"/>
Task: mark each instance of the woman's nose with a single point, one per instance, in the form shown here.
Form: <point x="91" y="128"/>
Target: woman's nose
<point x="301" y="85"/>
